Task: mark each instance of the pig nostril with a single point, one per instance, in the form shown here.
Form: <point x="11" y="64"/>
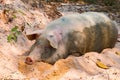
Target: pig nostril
<point x="28" y="61"/>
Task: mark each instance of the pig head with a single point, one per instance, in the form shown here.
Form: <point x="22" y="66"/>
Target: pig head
<point x="46" y="47"/>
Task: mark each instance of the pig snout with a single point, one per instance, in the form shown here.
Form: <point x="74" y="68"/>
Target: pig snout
<point x="29" y="61"/>
<point x="34" y="55"/>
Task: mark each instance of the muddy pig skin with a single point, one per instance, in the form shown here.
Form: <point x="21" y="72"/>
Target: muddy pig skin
<point x="74" y="33"/>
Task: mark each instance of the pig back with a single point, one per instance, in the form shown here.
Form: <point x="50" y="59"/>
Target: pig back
<point x="91" y="32"/>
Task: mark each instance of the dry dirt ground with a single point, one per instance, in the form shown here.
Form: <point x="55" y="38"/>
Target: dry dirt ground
<point x="91" y="66"/>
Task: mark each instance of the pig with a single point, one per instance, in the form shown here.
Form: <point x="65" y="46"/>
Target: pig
<point x="74" y="33"/>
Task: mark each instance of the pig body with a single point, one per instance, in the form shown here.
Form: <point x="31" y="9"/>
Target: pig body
<point x="75" y="33"/>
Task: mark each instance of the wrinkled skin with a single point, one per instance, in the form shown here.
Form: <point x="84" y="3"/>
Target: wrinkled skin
<point x="77" y="33"/>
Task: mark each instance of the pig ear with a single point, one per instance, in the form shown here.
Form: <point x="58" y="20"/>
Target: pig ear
<point x="55" y="39"/>
<point x="31" y="35"/>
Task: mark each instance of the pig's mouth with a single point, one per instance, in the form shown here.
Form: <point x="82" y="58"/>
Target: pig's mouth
<point x="28" y="61"/>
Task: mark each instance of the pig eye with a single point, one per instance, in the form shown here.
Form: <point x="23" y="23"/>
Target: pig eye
<point x="60" y="33"/>
<point x="46" y="49"/>
<point x="51" y="36"/>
